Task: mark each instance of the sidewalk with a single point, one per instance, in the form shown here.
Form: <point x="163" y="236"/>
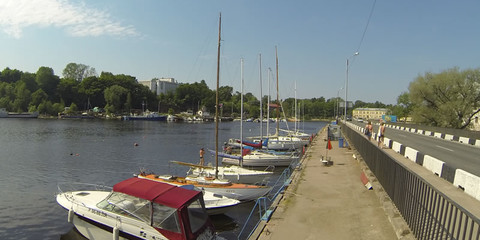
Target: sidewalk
<point x="329" y="202"/>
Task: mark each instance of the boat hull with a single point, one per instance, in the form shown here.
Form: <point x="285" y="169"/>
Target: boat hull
<point x="277" y="162"/>
<point x="241" y="192"/>
<point x="235" y="174"/>
<point x="95" y="223"/>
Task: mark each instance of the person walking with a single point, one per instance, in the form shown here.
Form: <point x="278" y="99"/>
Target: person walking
<point x="369" y="130"/>
<point x="381" y="134"/>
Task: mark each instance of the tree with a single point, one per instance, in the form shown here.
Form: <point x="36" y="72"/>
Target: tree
<point x="10" y="75"/>
<point x="447" y="99"/>
<point x="115" y="96"/>
<point x="67" y="90"/>
<point x="403" y="107"/>
<point x="47" y="81"/>
<point x="38" y="97"/>
<point x="29" y="80"/>
<point x="22" y="97"/>
<point x="78" y="72"/>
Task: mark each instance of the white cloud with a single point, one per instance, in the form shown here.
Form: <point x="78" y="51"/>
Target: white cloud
<point x="77" y="20"/>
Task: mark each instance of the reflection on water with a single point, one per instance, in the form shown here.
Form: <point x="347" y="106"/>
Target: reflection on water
<point x="38" y="154"/>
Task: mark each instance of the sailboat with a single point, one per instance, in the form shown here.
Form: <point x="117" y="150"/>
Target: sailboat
<point x="296" y="132"/>
<point x="277" y="142"/>
<point x="242" y="192"/>
<point x="235" y="174"/>
<point x="255" y="157"/>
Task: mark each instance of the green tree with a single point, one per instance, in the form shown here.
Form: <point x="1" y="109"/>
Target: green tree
<point x="78" y="72"/>
<point x="92" y="88"/>
<point x="38" y="97"/>
<point x="29" y="80"/>
<point x="447" y="99"/>
<point x="10" y="75"/>
<point x="22" y="97"/>
<point x="67" y="90"/>
<point x="115" y="96"/>
<point x="404" y="106"/>
<point x="47" y="81"/>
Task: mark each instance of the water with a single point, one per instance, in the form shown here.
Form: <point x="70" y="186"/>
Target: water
<point x="38" y="154"/>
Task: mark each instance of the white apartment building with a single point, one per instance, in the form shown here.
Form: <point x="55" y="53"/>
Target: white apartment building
<point x="161" y="85"/>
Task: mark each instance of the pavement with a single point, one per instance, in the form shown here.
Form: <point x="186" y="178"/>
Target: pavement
<point x="331" y="201"/>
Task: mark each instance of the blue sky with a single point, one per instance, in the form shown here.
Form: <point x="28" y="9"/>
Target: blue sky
<point x="178" y="38"/>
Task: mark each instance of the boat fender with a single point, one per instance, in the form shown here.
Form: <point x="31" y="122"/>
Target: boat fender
<point x="71" y="213"/>
<point x="116" y="233"/>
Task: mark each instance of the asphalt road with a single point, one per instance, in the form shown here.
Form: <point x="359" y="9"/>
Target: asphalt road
<point x="454" y="154"/>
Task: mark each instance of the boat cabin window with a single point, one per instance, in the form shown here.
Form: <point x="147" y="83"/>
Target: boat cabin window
<point x="197" y="215"/>
<point x="127" y="205"/>
<point x="165" y="218"/>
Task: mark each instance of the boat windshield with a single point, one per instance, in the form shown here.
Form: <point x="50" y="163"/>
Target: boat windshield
<point x="165" y="218"/>
<point x="197" y="215"/>
<point x="127" y="205"/>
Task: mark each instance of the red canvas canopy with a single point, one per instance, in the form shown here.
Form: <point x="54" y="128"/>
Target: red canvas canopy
<point x="162" y="193"/>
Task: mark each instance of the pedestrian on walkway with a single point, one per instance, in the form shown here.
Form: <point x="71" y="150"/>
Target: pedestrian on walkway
<point x="369" y="130"/>
<point x="381" y="134"/>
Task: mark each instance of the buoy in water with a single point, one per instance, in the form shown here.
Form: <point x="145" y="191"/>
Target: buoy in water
<point x="135" y="144"/>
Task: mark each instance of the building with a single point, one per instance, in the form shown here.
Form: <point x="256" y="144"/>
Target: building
<point x="161" y="85"/>
<point x="369" y="113"/>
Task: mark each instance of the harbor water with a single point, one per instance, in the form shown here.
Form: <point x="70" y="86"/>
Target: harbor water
<point x="39" y="154"/>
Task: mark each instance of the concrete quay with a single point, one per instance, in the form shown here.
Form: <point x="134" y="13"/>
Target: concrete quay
<point x="331" y="201"/>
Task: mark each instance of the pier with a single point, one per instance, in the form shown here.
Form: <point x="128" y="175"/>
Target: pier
<point x="368" y="192"/>
<point x="330" y="201"/>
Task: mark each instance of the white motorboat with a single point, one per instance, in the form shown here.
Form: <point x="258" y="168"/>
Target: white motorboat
<point x="232" y="173"/>
<point x="217" y="204"/>
<point x="138" y="209"/>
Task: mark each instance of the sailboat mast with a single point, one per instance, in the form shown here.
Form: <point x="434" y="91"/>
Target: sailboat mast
<point x="278" y="102"/>
<point x="241" y="113"/>
<point x="216" y="97"/>
<point x="295" y="106"/>
<point x="261" y="105"/>
<point x="268" y="104"/>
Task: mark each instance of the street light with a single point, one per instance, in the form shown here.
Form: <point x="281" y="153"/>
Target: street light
<point x="346" y="86"/>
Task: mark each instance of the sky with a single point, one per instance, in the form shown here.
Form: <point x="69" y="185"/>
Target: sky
<point x="396" y="42"/>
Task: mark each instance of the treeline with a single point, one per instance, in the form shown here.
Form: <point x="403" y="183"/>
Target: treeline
<point x="81" y="89"/>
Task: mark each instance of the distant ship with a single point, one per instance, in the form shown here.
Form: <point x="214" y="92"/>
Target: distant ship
<point x="147" y="117"/>
<point x="5" y="114"/>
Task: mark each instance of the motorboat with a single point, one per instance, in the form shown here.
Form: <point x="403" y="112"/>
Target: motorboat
<point x="215" y="204"/>
<point x="232" y="173"/>
<point x="238" y="191"/>
<point x="138" y="208"/>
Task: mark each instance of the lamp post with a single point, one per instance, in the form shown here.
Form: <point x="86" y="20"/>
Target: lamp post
<point x="346" y="86"/>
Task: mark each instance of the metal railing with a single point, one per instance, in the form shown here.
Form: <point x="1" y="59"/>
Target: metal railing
<point x="429" y="213"/>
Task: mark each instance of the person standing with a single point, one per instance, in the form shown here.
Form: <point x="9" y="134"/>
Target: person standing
<point x="202" y="160"/>
<point x="369" y="130"/>
<point x="381" y="134"/>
